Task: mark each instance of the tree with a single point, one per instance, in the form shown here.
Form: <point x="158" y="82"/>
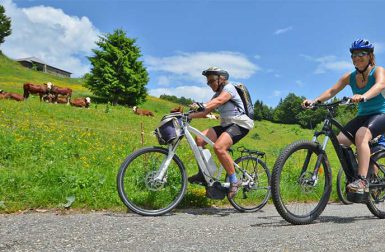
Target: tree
<point x="262" y="111"/>
<point x="288" y="109"/>
<point x="116" y="72"/>
<point x="5" y="25"/>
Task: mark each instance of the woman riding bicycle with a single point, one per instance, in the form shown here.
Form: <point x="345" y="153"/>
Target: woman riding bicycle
<point x="235" y="124"/>
<point x="368" y="85"/>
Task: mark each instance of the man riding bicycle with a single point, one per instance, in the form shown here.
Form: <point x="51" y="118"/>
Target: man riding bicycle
<point x="235" y="124"/>
<point x="368" y="85"/>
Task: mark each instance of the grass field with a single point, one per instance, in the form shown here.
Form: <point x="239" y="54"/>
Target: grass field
<point x="52" y="154"/>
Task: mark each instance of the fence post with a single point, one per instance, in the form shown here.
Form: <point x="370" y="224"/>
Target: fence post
<point x="142" y="133"/>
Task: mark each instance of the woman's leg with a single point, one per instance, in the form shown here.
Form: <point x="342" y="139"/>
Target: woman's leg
<point x="210" y="133"/>
<point x="363" y="136"/>
<point x="220" y="148"/>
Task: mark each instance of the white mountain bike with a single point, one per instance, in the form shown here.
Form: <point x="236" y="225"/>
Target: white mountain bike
<point x="152" y="180"/>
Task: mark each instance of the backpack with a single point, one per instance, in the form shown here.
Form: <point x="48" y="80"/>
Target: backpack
<point x="246" y="100"/>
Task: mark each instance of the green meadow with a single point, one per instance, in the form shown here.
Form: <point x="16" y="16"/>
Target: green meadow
<point x="56" y="156"/>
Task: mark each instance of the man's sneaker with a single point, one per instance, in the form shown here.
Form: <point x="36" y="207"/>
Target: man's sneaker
<point x="233" y="189"/>
<point x="358" y="186"/>
<point x="197" y="179"/>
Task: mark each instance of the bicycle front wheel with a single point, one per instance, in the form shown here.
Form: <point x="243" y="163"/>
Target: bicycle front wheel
<point x="341" y="187"/>
<point x="300" y="190"/>
<point x="139" y="190"/>
<point x="254" y="196"/>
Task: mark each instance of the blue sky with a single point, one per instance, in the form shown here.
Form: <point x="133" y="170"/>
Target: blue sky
<point x="274" y="47"/>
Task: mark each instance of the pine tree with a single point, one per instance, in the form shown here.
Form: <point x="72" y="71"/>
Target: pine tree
<point x="117" y="74"/>
<point x="5" y="25"/>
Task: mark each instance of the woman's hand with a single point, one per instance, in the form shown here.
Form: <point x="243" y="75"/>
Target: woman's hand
<point x="307" y="103"/>
<point x="358" y="98"/>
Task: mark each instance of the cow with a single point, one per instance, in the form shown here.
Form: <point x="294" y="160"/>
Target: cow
<point x="81" y="102"/>
<point x="142" y="112"/>
<point x="177" y="109"/>
<point x="56" y="91"/>
<point x="16" y="97"/>
<point x="3" y="94"/>
<point x="12" y="96"/>
<point x="63" y="100"/>
<point x="41" y="90"/>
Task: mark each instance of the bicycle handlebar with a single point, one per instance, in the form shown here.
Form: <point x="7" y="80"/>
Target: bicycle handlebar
<point x="344" y="101"/>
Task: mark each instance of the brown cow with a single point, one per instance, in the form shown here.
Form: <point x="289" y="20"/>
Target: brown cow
<point x="177" y="109"/>
<point x="81" y="102"/>
<point x="3" y="94"/>
<point x="142" y="112"/>
<point x="16" y="97"/>
<point x="63" y="100"/>
<point x="12" y="96"/>
<point x="56" y="91"/>
<point x="41" y="90"/>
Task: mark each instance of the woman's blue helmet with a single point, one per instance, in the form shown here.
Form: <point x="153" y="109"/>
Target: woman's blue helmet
<point x="362" y="44"/>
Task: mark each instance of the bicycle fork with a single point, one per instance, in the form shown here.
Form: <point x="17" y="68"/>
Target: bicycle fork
<point x="160" y="174"/>
<point x="314" y="177"/>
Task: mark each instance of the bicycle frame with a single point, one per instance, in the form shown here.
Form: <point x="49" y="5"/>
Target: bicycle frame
<point x="188" y="131"/>
<point x="327" y="130"/>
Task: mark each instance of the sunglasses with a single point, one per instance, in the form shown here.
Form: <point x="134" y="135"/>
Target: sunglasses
<point x="359" y="54"/>
<point x="209" y="82"/>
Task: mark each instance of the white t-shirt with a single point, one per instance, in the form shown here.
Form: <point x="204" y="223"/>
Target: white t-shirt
<point x="233" y="110"/>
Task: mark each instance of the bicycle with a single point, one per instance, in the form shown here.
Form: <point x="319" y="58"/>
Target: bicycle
<point x="302" y="179"/>
<point x="152" y="181"/>
<point x="342" y="180"/>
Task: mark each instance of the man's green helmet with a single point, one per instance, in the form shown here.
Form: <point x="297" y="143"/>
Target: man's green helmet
<point x="216" y="71"/>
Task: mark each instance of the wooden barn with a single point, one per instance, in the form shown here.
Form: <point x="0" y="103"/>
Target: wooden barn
<point x="39" y="65"/>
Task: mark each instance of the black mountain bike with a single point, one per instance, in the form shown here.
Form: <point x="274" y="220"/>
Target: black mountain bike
<point x="302" y="177"/>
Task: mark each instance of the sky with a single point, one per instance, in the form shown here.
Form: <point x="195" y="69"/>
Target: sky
<point x="274" y="47"/>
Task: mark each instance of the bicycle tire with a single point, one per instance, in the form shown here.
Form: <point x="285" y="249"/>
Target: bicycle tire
<point x="283" y="185"/>
<point x="376" y="201"/>
<point x="143" y="195"/>
<point x="260" y="191"/>
<point x="341" y="187"/>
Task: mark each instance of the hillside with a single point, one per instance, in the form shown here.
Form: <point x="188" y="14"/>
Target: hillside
<point x="50" y="152"/>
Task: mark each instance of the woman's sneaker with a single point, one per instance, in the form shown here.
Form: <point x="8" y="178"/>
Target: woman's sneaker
<point x="360" y="185"/>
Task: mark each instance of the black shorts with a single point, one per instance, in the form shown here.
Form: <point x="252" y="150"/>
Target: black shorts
<point x="375" y="123"/>
<point x="236" y="132"/>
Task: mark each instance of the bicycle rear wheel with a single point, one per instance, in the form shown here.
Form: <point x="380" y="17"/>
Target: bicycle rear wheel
<point x="341" y="187"/>
<point x="376" y="202"/>
<point x="297" y="196"/>
<point x="252" y="197"/>
<point x="140" y="192"/>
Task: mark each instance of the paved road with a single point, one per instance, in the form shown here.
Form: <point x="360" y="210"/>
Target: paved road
<point x="339" y="228"/>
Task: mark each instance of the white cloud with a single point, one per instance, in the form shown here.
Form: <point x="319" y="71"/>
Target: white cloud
<point x="50" y="34"/>
<point x="379" y="47"/>
<point x="189" y="66"/>
<point x="329" y="63"/>
<point x="299" y="83"/>
<point x="199" y="94"/>
<point x="164" y="80"/>
<point x="277" y="93"/>
<point x="284" y="30"/>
